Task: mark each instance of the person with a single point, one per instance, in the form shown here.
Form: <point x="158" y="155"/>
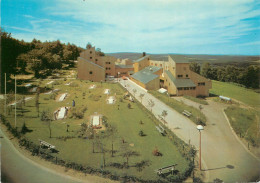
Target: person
<point x="73" y="103"/>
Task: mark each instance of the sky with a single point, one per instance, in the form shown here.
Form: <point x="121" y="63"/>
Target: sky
<point x="225" y="27"/>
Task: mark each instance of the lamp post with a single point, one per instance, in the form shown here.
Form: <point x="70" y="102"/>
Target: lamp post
<point x="200" y="127"/>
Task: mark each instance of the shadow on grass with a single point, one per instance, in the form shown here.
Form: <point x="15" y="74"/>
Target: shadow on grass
<point x="174" y="172"/>
<point x="228" y="166"/>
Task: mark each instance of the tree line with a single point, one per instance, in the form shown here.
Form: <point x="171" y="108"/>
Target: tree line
<point x="247" y="76"/>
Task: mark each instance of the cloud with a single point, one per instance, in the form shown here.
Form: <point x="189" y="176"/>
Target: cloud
<point x="136" y="25"/>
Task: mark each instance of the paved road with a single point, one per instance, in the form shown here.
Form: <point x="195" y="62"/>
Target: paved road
<point x="222" y="155"/>
<point x="19" y="169"/>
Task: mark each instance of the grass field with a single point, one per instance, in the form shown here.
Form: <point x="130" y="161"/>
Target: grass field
<point x="125" y="120"/>
<point x="180" y="107"/>
<point x="245" y="123"/>
<point x="244" y="95"/>
<point x="198" y="100"/>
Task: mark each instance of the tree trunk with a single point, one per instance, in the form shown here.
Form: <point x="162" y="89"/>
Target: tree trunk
<point x="112" y="149"/>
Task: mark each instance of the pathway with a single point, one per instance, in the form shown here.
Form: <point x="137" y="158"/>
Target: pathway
<point x="222" y="155"/>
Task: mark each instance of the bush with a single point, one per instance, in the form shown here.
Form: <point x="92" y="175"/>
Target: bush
<point x="73" y="84"/>
<point x="156" y="152"/>
<point x="78" y="112"/>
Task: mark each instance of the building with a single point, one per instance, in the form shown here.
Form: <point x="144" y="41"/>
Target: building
<point x="94" y="67"/>
<point x="174" y="75"/>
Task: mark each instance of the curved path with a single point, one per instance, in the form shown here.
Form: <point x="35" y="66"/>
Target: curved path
<point x="222" y="154"/>
<point x="17" y="168"/>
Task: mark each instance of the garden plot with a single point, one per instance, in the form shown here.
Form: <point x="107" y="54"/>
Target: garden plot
<point x="25" y="99"/>
<point x="49" y="83"/>
<point x="62" y="97"/>
<point x="111" y="100"/>
<point x="96" y="120"/>
<point x="92" y="86"/>
<point x="28" y="85"/>
<point x="107" y="91"/>
<point x="52" y="91"/>
<point x="61" y="113"/>
<point x="34" y="89"/>
<point x="67" y="84"/>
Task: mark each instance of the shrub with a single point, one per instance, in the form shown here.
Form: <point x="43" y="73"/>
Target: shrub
<point x="24" y="129"/>
<point x="73" y="84"/>
<point x="78" y="112"/>
<point x="156" y="152"/>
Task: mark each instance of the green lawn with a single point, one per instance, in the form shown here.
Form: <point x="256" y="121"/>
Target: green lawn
<point x="125" y="120"/>
<point x="245" y="122"/>
<point x="244" y="95"/>
<point x="198" y="100"/>
<point x="180" y="107"/>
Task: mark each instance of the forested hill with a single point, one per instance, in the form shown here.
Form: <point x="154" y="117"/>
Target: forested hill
<point x="212" y="59"/>
<point x="244" y="70"/>
<point x="39" y="58"/>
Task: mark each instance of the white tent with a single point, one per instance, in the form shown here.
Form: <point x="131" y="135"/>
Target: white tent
<point x="62" y="97"/>
<point x="62" y="113"/>
<point x="107" y="91"/>
<point x="162" y="90"/>
<point x="95" y="121"/>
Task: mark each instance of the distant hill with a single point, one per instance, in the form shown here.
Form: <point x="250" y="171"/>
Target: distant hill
<point x="213" y="59"/>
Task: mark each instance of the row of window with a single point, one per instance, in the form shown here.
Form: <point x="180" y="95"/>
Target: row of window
<point x="201" y="84"/>
<point x="187" y="88"/>
<point x="108" y="68"/>
<point x="108" y="62"/>
<point x="180" y="76"/>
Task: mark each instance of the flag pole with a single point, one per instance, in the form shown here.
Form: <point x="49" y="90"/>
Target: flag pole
<point x="15" y="102"/>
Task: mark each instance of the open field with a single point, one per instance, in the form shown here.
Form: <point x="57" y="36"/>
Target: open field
<point x="180" y="107"/>
<point x="126" y="121"/>
<point x="233" y="91"/>
<point x="245" y="123"/>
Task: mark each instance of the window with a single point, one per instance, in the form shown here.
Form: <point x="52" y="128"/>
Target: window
<point x="90" y="72"/>
<point x="90" y="57"/>
<point x="179" y="76"/>
<point x="107" y="62"/>
<point x="96" y="59"/>
<point x="187" y="75"/>
<point x="179" y="88"/>
<point x="201" y="84"/>
<point x="90" y="52"/>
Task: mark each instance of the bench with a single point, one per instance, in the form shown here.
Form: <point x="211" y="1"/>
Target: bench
<point x="160" y="129"/>
<point x="169" y="168"/>
<point x="46" y="144"/>
<point x="186" y="113"/>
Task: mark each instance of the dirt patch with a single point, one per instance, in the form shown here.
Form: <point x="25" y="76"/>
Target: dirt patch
<point x="132" y="145"/>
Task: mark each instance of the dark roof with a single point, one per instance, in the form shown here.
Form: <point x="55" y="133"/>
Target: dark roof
<point x="140" y="59"/>
<point x="125" y="66"/>
<point x="180" y="82"/>
<point x="181" y="59"/>
<point x="147" y="74"/>
<point x="91" y="62"/>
